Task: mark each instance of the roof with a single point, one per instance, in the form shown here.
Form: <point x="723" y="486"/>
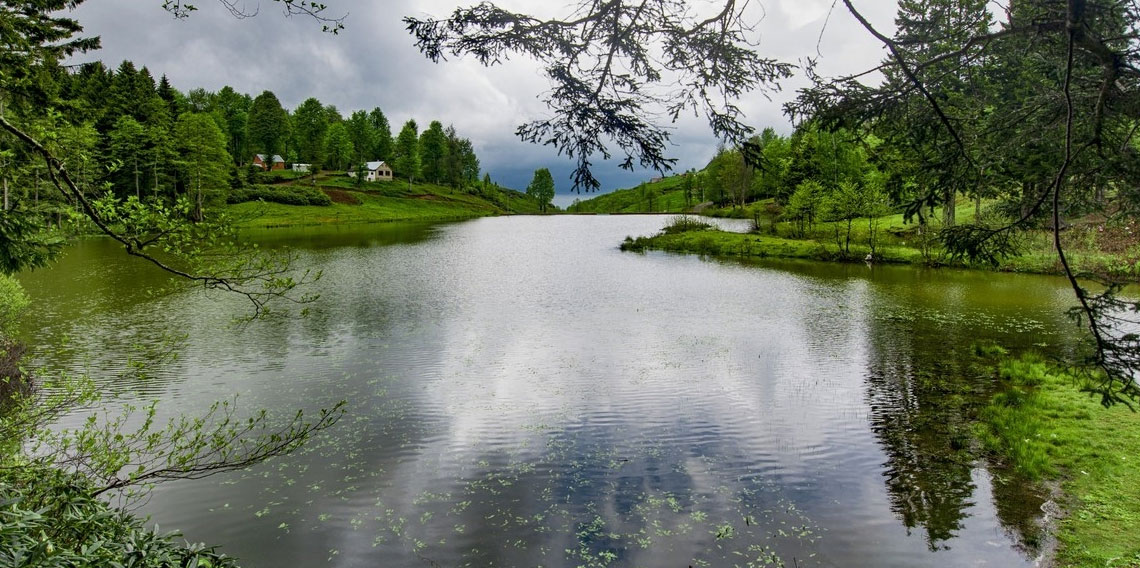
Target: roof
<point x="276" y="158"/>
<point x="373" y="166"/>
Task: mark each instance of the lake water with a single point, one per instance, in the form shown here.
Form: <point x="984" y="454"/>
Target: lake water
<point x="522" y="393"/>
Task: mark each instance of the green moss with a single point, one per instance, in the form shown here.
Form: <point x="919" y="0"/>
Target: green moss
<point x="1044" y="427"/>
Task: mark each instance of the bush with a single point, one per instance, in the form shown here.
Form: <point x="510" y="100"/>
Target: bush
<point x="287" y="195"/>
<point x="48" y="518"/>
<point x="13" y="301"/>
<point x="684" y="224"/>
<point x="257" y="175"/>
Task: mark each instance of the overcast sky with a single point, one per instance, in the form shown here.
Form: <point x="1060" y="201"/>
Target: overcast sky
<point x="372" y="63"/>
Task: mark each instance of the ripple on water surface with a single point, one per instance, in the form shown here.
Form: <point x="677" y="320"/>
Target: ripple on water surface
<point x="521" y="393"/>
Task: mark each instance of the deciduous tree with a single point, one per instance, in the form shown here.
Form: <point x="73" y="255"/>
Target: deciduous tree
<point x="434" y="153"/>
<point x="127" y="142"/>
<point x="310" y="131"/>
<point x="339" y="150"/>
<point x="202" y="153"/>
<point x="268" y="124"/>
<point x="406" y="153"/>
<point x="383" y="132"/>
<point x="364" y="137"/>
<point x="541" y="188"/>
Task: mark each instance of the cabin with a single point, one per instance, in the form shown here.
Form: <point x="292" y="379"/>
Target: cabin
<point x="375" y="171"/>
<point x="259" y="160"/>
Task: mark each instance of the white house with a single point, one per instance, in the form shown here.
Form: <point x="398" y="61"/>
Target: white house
<point x="375" y="171"/>
<point x="303" y="168"/>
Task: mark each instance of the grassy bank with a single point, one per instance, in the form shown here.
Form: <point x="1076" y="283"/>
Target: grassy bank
<point x="720" y="243"/>
<point x="1049" y="431"/>
<point x="1092" y="248"/>
<point x="382" y="202"/>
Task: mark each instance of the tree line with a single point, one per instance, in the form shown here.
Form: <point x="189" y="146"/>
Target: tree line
<point x="122" y="130"/>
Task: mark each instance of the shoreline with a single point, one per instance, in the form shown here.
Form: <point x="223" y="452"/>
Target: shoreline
<point x="725" y="244"/>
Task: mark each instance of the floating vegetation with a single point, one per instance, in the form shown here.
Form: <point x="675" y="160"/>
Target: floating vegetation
<point x="605" y="507"/>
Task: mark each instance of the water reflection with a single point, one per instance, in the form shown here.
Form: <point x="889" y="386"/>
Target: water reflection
<point x="522" y="393"/>
<point x="924" y="385"/>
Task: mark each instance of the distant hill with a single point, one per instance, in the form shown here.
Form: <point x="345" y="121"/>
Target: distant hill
<point x="664" y="195"/>
<point x="371" y="202"/>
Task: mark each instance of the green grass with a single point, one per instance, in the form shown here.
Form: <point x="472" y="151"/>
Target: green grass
<point x="1046" y="429"/>
<point x="384" y="202"/>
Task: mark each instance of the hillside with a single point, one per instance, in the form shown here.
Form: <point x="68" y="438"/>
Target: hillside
<point x="666" y="195"/>
<point x="376" y="202"/>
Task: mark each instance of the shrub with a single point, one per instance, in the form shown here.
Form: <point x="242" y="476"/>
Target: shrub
<point x="287" y="195"/>
<point x="684" y="224"/>
<point x="13" y="301"/>
<point x="48" y="518"/>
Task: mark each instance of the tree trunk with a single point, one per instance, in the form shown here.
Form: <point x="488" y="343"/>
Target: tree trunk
<point x="5" y="193"/>
<point x="1027" y="189"/>
<point x="198" y="207"/>
<point x="871" y="234"/>
<point x="949" y="208"/>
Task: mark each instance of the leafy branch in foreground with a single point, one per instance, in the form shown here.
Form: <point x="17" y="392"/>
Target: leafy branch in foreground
<point x="618" y="68"/>
<point x="115" y="457"/>
<point x="51" y="481"/>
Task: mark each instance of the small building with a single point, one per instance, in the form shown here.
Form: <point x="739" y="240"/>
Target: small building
<point x="302" y="168"/>
<point x="259" y="160"/>
<point x="374" y="171"/>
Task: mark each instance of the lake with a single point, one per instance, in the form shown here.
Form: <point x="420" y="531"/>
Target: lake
<point x="521" y="393"/>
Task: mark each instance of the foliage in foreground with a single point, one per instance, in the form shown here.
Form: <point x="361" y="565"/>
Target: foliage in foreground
<point x="1046" y="428"/>
<point x="48" y="518"/>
